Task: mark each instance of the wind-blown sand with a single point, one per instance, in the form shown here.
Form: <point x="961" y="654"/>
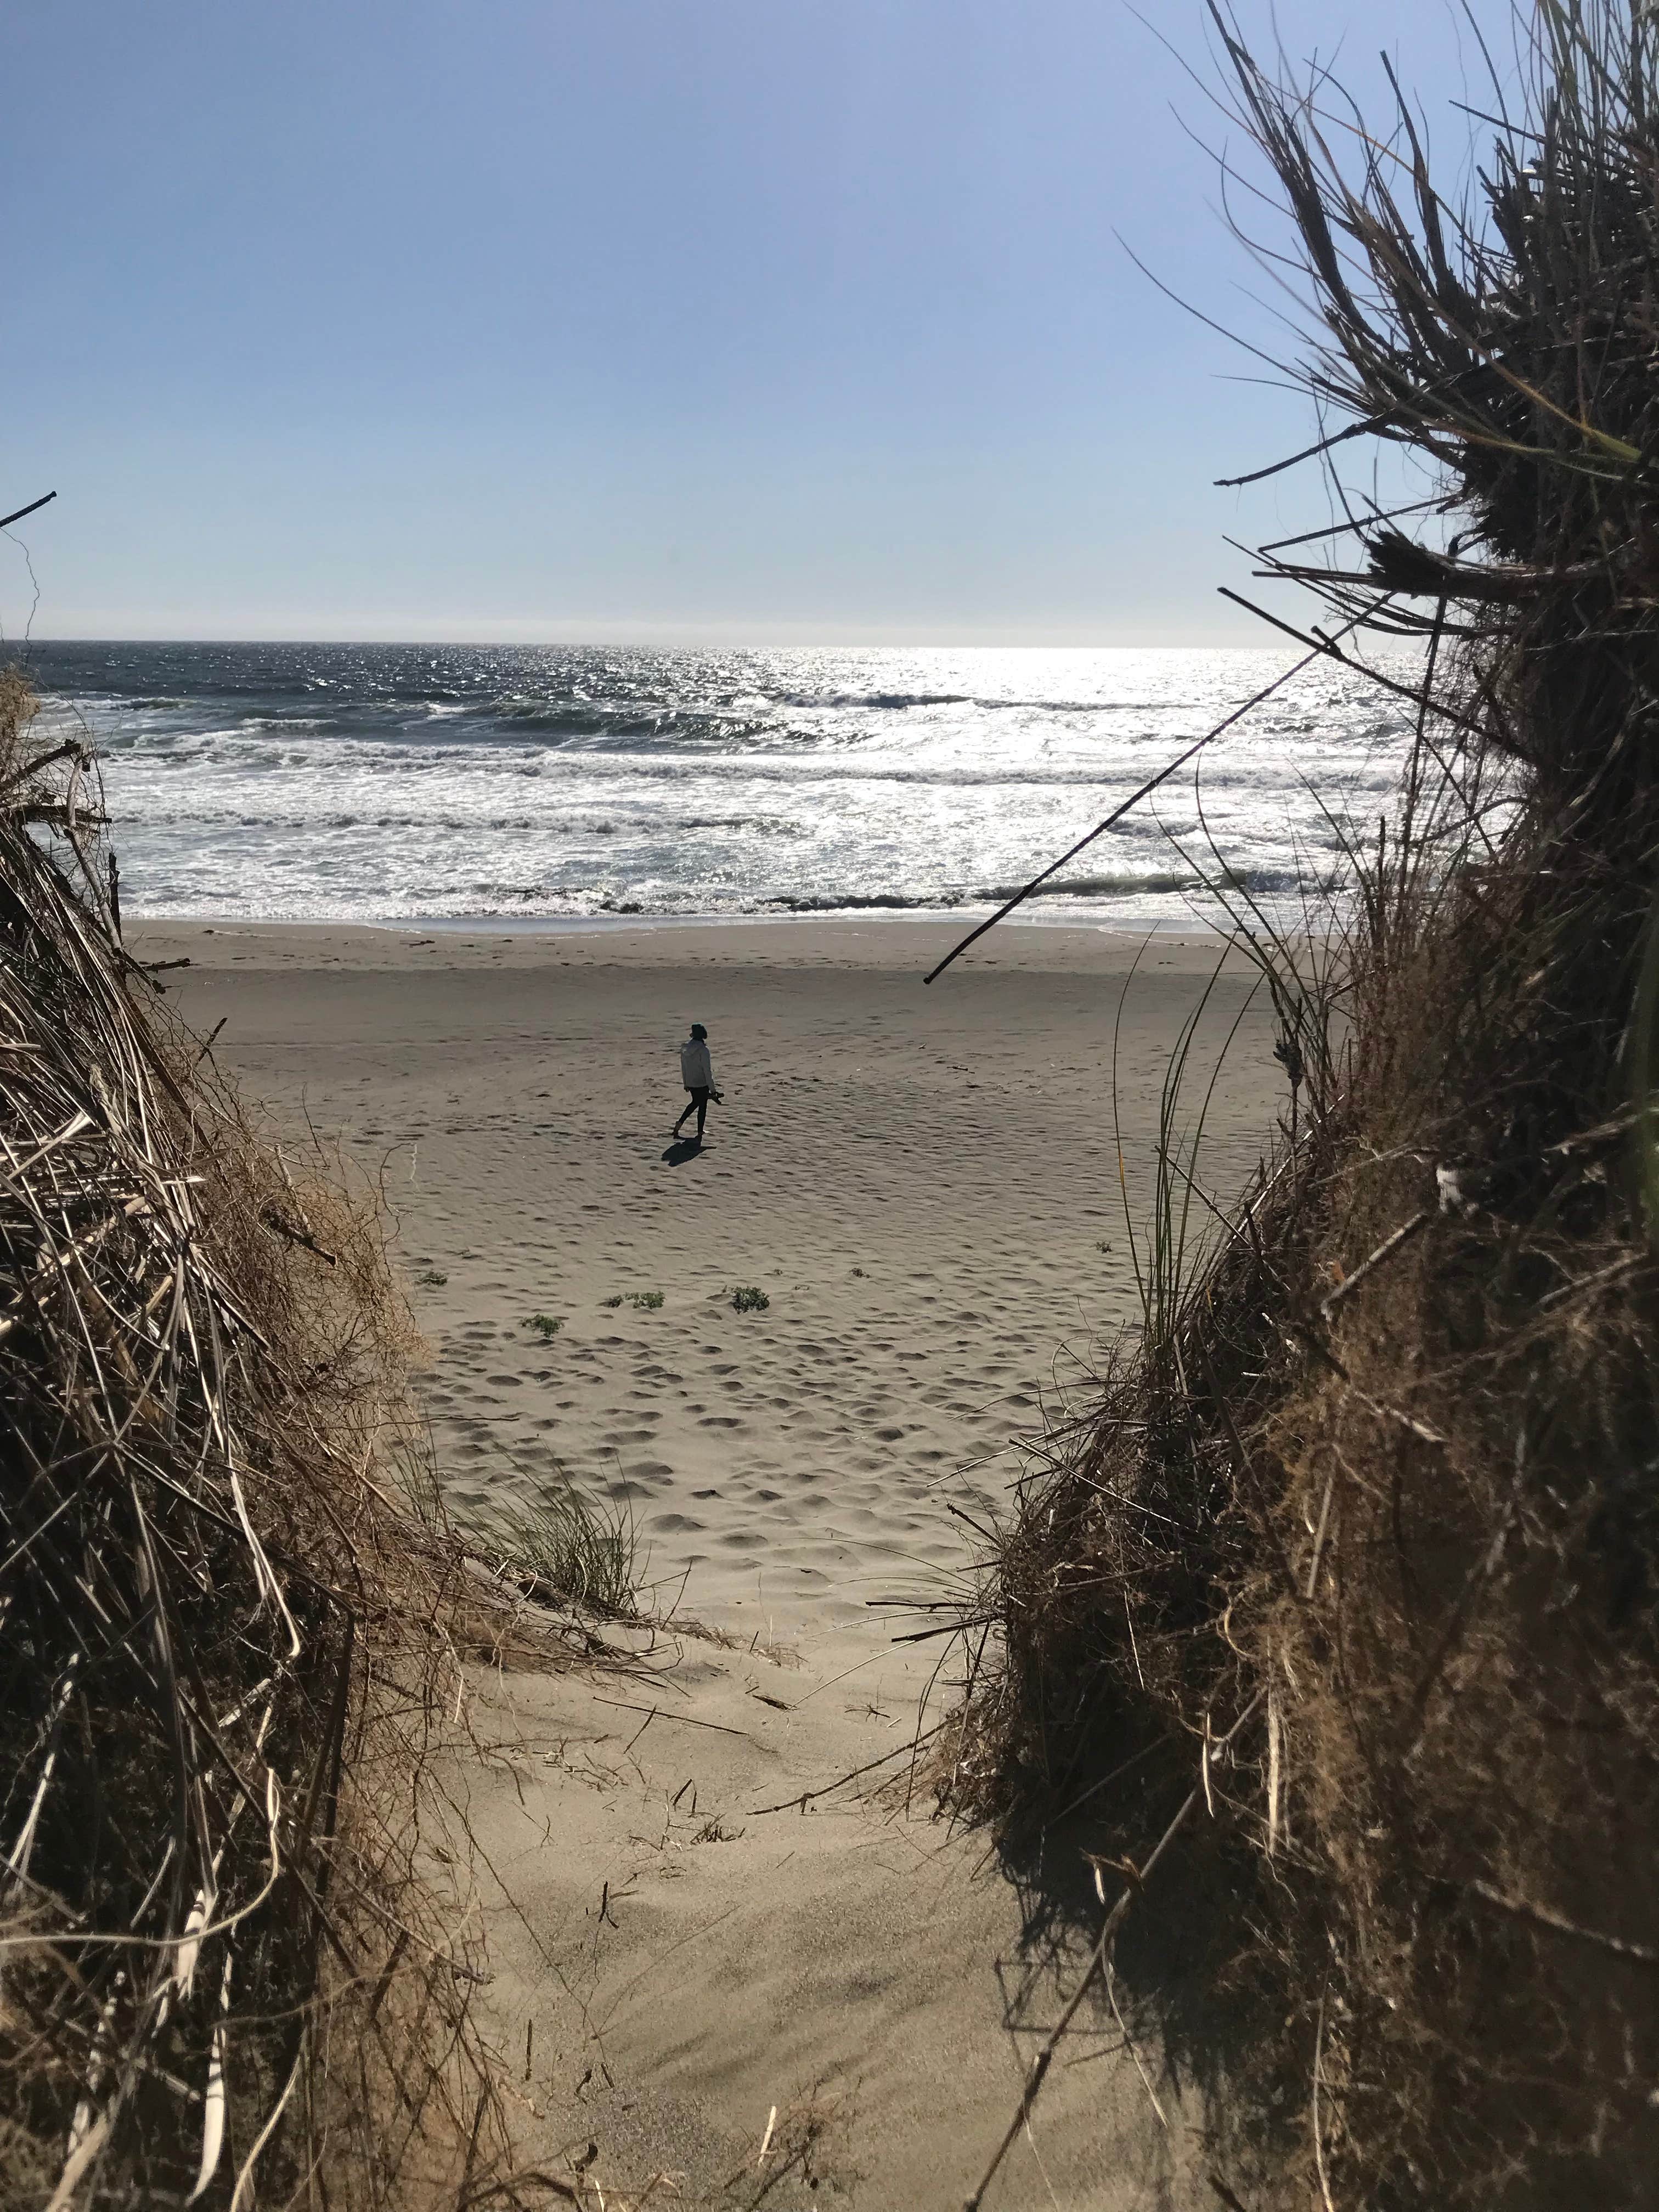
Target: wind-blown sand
<point x="925" y="1185"/>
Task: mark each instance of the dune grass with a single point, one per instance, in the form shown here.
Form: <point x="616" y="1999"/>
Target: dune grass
<point x="565" y="1547"/>
<point x="228" y="1647"/>
<point x="1344" y="1610"/>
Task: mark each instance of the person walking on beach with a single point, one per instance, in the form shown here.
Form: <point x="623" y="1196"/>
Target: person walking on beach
<point x="697" y="1074"/>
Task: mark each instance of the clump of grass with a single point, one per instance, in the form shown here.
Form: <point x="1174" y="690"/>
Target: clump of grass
<point x="749" y="1297"/>
<point x="546" y="1326"/>
<point x="432" y="1278"/>
<point x="567" y="1547"/>
<point x="611" y="1303"/>
<point x="645" y="1301"/>
<point x="227" y="1651"/>
<point x="1366" y="1513"/>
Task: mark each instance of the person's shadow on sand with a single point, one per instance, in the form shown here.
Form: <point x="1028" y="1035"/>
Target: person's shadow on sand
<point x="684" y="1149"/>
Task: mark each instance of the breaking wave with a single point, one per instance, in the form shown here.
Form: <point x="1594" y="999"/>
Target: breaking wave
<point x="386" y="782"/>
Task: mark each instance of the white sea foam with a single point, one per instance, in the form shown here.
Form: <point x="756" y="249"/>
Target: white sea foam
<point x="390" y="782"/>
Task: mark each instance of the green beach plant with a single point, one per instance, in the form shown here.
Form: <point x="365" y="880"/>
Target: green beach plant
<point x="569" y="1548"/>
<point x="546" y="1326"/>
<point x="749" y="1297"/>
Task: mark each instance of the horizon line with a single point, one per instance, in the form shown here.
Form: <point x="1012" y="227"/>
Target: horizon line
<point x="658" y="636"/>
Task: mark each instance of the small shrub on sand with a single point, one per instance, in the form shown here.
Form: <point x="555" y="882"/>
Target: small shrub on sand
<point x="645" y="1301"/>
<point x="572" y="1548"/>
<point x="546" y="1326"/>
<point x="432" y="1278"/>
<point x="749" y="1297"/>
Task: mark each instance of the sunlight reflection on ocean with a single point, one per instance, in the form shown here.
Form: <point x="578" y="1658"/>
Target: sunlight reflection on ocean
<point x="414" y="782"/>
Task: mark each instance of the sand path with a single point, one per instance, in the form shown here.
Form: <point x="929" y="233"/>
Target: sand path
<point x="925" y="1185"/>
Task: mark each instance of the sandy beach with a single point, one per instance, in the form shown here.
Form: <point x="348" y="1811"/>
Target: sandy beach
<point x="924" y="1184"/>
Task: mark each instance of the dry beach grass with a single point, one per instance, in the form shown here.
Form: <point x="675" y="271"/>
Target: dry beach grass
<point x="1353" y="1579"/>
<point x="1308" y="1683"/>
<point x="236" y="1952"/>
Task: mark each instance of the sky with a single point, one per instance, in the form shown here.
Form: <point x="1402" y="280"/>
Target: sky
<point x="654" y="320"/>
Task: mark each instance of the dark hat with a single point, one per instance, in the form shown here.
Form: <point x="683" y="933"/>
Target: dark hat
<point x="698" y="1031"/>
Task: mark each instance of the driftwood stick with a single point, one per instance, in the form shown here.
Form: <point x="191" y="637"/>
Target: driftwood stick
<point x="295" y="1235"/>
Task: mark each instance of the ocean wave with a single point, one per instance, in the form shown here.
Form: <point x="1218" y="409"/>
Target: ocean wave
<point x="647" y="823"/>
<point x="899" y="701"/>
<point x="575" y="900"/>
<point x="1158" y="883"/>
<point x="392" y="780"/>
<point x="889" y="701"/>
<point x="233" y="754"/>
<point x="622" y="722"/>
<point x="1257" y="880"/>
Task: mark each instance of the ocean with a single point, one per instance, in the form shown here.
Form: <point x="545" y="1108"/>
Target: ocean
<point x="502" y="783"/>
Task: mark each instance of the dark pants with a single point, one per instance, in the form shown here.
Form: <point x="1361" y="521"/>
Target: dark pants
<point x="700" y="1100"/>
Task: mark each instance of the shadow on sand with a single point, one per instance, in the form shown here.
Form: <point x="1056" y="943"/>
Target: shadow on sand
<point x="682" y="1150"/>
<point x="1182" y="1962"/>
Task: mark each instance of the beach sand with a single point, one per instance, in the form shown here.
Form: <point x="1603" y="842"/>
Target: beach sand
<point x="924" y="1184"/>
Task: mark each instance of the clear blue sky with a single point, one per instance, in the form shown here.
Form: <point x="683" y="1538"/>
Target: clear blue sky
<point x="781" y="319"/>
